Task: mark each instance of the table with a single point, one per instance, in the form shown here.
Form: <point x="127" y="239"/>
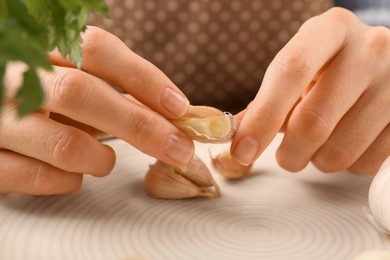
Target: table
<point x="271" y="214"/>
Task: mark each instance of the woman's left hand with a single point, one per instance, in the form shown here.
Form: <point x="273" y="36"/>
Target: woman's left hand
<point x="328" y="89"/>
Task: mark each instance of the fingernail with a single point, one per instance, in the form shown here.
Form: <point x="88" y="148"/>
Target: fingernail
<point x="179" y="148"/>
<point x="246" y="150"/>
<point x="175" y="102"/>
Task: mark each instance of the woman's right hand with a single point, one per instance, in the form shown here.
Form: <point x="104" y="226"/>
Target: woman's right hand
<point x="48" y="151"/>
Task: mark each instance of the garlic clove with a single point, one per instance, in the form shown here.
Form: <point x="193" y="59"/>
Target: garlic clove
<point x="163" y="181"/>
<point x="197" y="172"/>
<point x="228" y="167"/>
<point x="207" y="124"/>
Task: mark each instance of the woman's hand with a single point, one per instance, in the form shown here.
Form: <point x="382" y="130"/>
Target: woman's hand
<point x="329" y="88"/>
<point x="47" y="151"/>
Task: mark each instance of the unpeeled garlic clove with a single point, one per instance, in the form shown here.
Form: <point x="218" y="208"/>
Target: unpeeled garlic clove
<point x="228" y="167"/>
<point x="169" y="182"/>
<point x="197" y="172"/>
<point x="207" y="124"/>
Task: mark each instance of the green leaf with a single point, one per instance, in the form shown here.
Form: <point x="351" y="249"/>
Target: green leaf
<point x="30" y="95"/>
<point x="2" y="73"/>
<point x="3" y="10"/>
<point x="65" y="20"/>
<point x="17" y="44"/>
<point x="23" y="39"/>
<point x="29" y="29"/>
<point x="17" y="11"/>
<point x="88" y="5"/>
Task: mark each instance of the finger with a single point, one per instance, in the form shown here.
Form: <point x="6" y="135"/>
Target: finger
<point x="355" y="132"/>
<point x="240" y="115"/>
<point x="285" y="123"/>
<point x="62" y="146"/>
<point x="107" y="57"/>
<point x="317" y="114"/>
<point x="96" y="133"/>
<point x="372" y="158"/>
<point x="22" y="174"/>
<point x="288" y="75"/>
<point x="89" y="100"/>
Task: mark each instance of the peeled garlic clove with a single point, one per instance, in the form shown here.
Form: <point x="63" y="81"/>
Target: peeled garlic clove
<point x="197" y="172"/>
<point x="228" y="167"/>
<point x="207" y="124"/>
<point x="163" y="181"/>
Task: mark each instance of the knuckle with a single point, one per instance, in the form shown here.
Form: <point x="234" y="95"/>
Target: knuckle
<point x="342" y="15"/>
<point x="294" y="64"/>
<point x="378" y="40"/>
<point x="64" y="147"/>
<point x="311" y="125"/>
<point x="140" y="125"/>
<point x="66" y="92"/>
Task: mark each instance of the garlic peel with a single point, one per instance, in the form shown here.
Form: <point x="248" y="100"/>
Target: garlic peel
<point x="198" y="173"/>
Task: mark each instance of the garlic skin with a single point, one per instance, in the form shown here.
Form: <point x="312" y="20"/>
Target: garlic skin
<point x="207" y="124"/>
<point x="198" y="173"/>
<point x="228" y="167"/>
<point x="165" y="181"/>
<point x="374" y="255"/>
<point x="379" y="197"/>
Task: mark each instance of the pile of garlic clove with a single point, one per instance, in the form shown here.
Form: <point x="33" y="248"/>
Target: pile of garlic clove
<point x="191" y="180"/>
<point x="203" y="124"/>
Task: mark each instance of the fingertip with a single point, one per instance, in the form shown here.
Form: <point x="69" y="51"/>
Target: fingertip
<point x="73" y="183"/>
<point x="288" y="164"/>
<point x="178" y="149"/>
<point x="246" y="150"/>
<point x="174" y="102"/>
<point x="51" y="181"/>
<point x="107" y="162"/>
<point x="289" y="159"/>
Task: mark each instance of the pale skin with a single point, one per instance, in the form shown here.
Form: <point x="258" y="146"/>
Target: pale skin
<point x="328" y="90"/>
<point x="46" y="153"/>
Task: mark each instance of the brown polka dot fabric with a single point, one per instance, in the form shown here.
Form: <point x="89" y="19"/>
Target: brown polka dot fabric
<point x="216" y="51"/>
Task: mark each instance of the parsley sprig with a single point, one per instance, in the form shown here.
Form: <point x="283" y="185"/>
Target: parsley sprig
<point x="30" y="29"/>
